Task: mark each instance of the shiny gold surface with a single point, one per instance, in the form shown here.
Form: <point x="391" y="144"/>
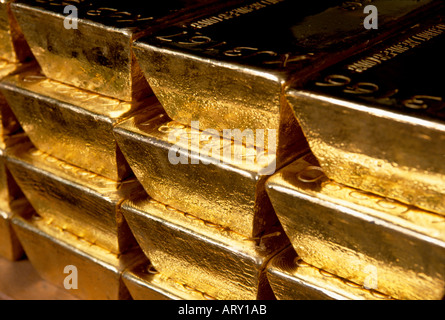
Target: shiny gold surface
<point x="207" y="257"/>
<point x="358" y="235"/>
<point x="80" y="202"/>
<point x="145" y="283"/>
<point x="10" y="247"/>
<point x="213" y="186"/>
<point x="228" y="70"/>
<point x="51" y="250"/>
<point x="70" y="124"/>
<point x="293" y="279"/>
<point x="97" y="56"/>
<point x="13" y="46"/>
<point x="376" y="122"/>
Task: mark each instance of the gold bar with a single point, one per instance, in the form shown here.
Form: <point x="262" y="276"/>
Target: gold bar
<point x="228" y="70"/>
<point x="94" y="51"/>
<point x="13" y="46"/>
<point x="376" y="121"/>
<point x="145" y="283"/>
<point x="205" y="256"/>
<point x="97" y="274"/>
<point x="202" y="174"/>
<point x="293" y="279"/>
<point x="71" y="124"/>
<point x="11" y="203"/>
<point x="391" y="247"/>
<point x="80" y="202"/>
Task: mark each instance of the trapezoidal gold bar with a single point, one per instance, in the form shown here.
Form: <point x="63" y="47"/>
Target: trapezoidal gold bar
<point x="71" y="124"/>
<point x="80" y="202"/>
<point x="377" y="121"/>
<point x="146" y="283"/>
<point x="293" y="279"/>
<point x="93" y="52"/>
<point x="73" y="264"/>
<point x="394" y="248"/>
<point x="203" y="255"/>
<point x="13" y="46"/>
<point x="202" y="174"/>
<point x="228" y="70"/>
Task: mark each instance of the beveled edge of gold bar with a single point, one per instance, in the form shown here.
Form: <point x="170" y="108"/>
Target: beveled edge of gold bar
<point x="10" y="246"/>
<point x="62" y="242"/>
<point x="293" y="279"/>
<point x="146" y="283"/>
<point x="384" y="236"/>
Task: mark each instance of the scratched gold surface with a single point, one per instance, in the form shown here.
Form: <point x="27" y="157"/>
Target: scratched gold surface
<point x="146" y="283"/>
<point x="80" y="202"/>
<point x="71" y="124"/>
<point x="50" y="250"/>
<point x="293" y="279"/>
<point x="207" y="257"/>
<point x="214" y="186"/>
<point x="357" y="235"/>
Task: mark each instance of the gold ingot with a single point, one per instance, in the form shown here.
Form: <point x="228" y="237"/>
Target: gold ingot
<point x="71" y="124"/>
<point x="10" y="247"/>
<point x="13" y="46"/>
<point x="293" y="279"/>
<point x="71" y="263"/>
<point x="228" y="70"/>
<point x="207" y="257"/>
<point x="146" y="283"/>
<point x="87" y="44"/>
<point x="80" y="202"/>
<point x="376" y="121"/>
<point x="205" y="175"/>
<point x="373" y="241"/>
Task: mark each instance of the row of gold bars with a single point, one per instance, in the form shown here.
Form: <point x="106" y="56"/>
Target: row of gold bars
<point x="115" y="158"/>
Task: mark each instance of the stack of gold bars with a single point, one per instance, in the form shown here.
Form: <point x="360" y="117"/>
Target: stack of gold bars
<point x="229" y="150"/>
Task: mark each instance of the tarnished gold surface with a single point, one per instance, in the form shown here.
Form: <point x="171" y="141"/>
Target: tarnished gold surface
<point x="97" y="56"/>
<point x="377" y="122"/>
<point x="13" y="46"/>
<point x="146" y="283"/>
<point x="206" y="256"/>
<point x="293" y="279"/>
<point x="227" y="70"/>
<point x="80" y="202"/>
<point x="51" y="250"/>
<point x="71" y="124"/>
<point x="360" y="236"/>
<point x="214" y="185"/>
<point x="10" y="247"/>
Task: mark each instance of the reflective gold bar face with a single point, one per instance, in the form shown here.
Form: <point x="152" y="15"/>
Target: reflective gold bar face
<point x="377" y="121"/>
<point x="71" y="124"/>
<point x="145" y="283"/>
<point x="13" y="46"/>
<point x="227" y="70"/>
<point x="10" y="247"/>
<point x="94" y="51"/>
<point x="80" y="202"/>
<point x="202" y="174"/>
<point x="71" y="263"/>
<point x="293" y="279"/>
<point x="388" y="246"/>
<point x="205" y="256"/>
